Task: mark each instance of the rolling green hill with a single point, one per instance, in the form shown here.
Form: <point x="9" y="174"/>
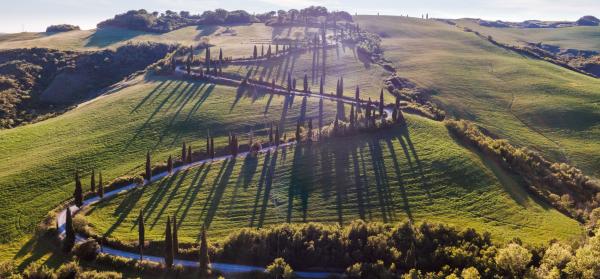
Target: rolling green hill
<point x="579" y="37"/>
<point x="112" y="133"/>
<point x="421" y="174"/>
<point x="530" y="102"/>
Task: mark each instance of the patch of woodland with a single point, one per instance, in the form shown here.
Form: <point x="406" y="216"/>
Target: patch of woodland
<point x="38" y="83"/>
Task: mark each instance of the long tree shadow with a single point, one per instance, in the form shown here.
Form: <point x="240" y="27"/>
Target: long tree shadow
<point x="124" y="208"/>
<point x="158" y="195"/>
<point x="340" y="174"/>
<point x="359" y="184"/>
<point x="151" y="117"/>
<point x="219" y="189"/>
<point x="381" y="183"/>
<point x="243" y="180"/>
<point x="400" y="180"/>
<point x="160" y="87"/>
<point x="197" y="186"/>
<point x="259" y="187"/>
<point x="300" y="179"/>
<point x="172" y="195"/>
<point x="270" y="172"/>
<point x="425" y="184"/>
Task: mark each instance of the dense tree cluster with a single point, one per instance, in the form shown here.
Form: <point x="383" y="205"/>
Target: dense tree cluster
<point x="168" y="21"/>
<point x="564" y="186"/>
<point x="61" y="28"/>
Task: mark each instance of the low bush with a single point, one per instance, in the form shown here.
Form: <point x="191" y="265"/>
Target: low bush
<point x="87" y="251"/>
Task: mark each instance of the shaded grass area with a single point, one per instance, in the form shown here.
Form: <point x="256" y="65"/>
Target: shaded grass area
<point x="112" y="134"/>
<point x="341" y="62"/>
<point x="530" y="102"/>
<point x="420" y="174"/>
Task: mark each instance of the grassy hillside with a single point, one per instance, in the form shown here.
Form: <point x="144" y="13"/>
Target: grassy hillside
<point x="530" y="102"/>
<point x="388" y="176"/>
<point x="579" y="37"/>
<point x="236" y="40"/>
<point x="112" y="133"/>
<point x="341" y="62"/>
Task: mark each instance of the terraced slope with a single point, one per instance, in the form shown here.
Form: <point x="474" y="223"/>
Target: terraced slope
<point x="579" y="37"/>
<point x="393" y="175"/>
<point x="530" y="102"/>
<point x="112" y="134"/>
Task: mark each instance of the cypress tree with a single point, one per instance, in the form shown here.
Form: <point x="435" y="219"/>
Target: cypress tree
<point x="204" y="260"/>
<point x="141" y="234"/>
<point x="341" y="86"/>
<point x="220" y="56"/>
<point x="93" y="181"/>
<point x="168" y="244"/>
<point x="400" y="117"/>
<point x="269" y="52"/>
<point x="78" y="193"/>
<point x="100" y="186"/>
<point x="352" y="116"/>
<point x="395" y="114"/>
<point x="276" y="49"/>
<point x="207" y="60"/>
<point x="289" y="82"/>
<point x="320" y="113"/>
<point x="294" y="83"/>
<point x="305" y="83"/>
<point x="298" y="131"/>
<point x="148" y="167"/>
<point x="170" y="164"/>
<point x="277" y="137"/>
<point x="262" y="50"/>
<point x="321" y="86"/>
<point x="381" y="104"/>
<point x="255" y="53"/>
<point x="208" y="144"/>
<point x="271" y="134"/>
<point x="69" y="240"/>
<point x="212" y="147"/>
<point x="175" y="238"/>
<point x="189" y="155"/>
<point x="357" y="94"/>
<point x="183" y="152"/>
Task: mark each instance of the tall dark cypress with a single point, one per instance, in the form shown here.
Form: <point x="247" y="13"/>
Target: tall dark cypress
<point x="189" y="155"/>
<point x="357" y="94"/>
<point x="208" y="144"/>
<point x="100" y="185"/>
<point x="204" y="260"/>
<point x="320" y="113"/>
<point x="381" y="104"/>
<point x="271" y="134"/>
<point x="310" y="129"/>
<point x="269" y="52"/>
<point x="212" y="147"/>
<point x="255" y="53"/>
<point x="148" y="167"/>
<point x="170" y="164"/>
<point x="207" y="60"/>
<point x="168" y="245"/>
<point x="277" y="136"/>
<point x="69" y="240"/>
<point x="352" y="116"/>
<point x="175" y="238"/>
<point x="298" y="131"/>
<point x="289" y="82"/>
<point x="78" y="193"/>
<point x="141" y="234"/>
<point x="305" y="83"/>
<point x="183" y="152"/>
<point x="93" y="181"/>
<point x="262" y="50"/>
<point x="220" y="56"/>
<point x="321" y="86"/>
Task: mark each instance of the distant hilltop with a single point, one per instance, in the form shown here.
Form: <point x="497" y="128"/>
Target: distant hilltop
<point x="584" y="21"/>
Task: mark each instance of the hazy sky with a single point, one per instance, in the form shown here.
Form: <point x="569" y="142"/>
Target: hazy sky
<point x="35" y="15"/>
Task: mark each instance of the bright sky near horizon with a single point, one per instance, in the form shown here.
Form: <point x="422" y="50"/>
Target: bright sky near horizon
<point x="35" y="15"/>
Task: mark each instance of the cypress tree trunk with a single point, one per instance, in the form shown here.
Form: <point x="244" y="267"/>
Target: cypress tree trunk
<point x="204" y="260"/>
<point x="189" y="155"/>
<point x="100" y="186"/>
<point x="175" y="238"/>
<point x="381" y="104"/>
<point x="168" y="245"/>
<point x="69" y="240"/>
<point x="93" y="181"/>
<point x="212" y="147"/>
<point x="170" y="164"/>
<point x="148" y="167"/>
<point x="78" y="193"/>
<point x="255" y="53"/>
<point x="141" y="234"/>
<point x="183" y="152"/>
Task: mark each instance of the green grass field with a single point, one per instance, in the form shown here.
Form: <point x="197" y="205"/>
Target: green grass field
<point x="112" y="133"/>
<point x="388" y="176"/>
<point x="530" y="102"/>
<point x="579" y="37"/>
<point x="340" y="62"/>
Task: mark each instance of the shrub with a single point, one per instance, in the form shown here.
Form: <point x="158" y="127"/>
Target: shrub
<point x="470" y="273"/>
<point x="280" y="269"/>
<point x="99" y="275"/>
<point x="87" y="251"/>
<point x="37" y="270"/>
<point x="7" y="269"/>
<point x="69" y="270"/>
<point x="61" y="28"/>
<point x="513" y="259"/>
